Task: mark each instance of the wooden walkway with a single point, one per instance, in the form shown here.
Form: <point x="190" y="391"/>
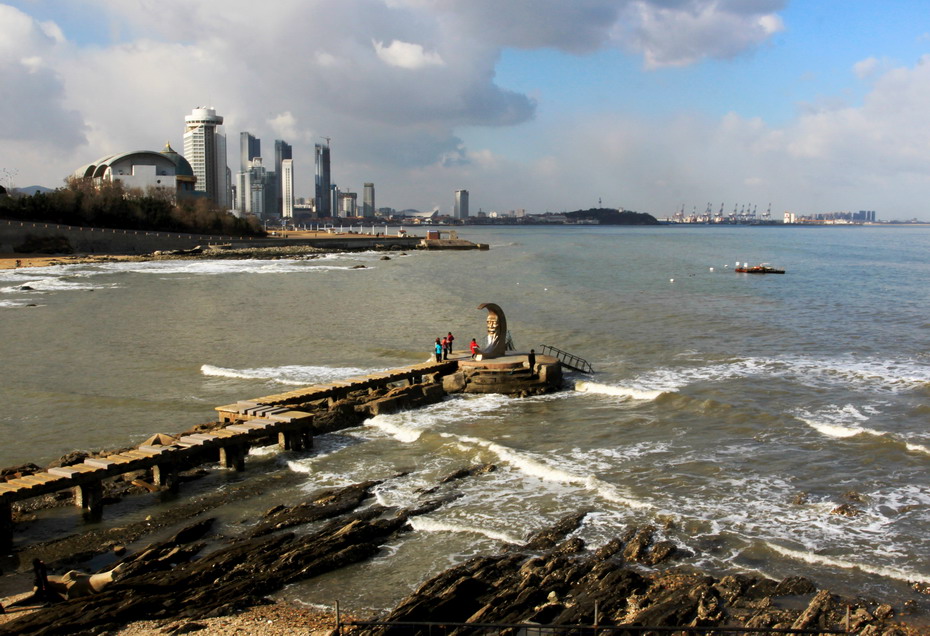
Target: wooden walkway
<point x="256" y="422"/>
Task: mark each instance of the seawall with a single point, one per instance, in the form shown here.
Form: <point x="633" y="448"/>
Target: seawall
<point x="87" y="240"/>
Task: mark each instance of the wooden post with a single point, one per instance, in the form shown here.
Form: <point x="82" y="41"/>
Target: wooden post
<point x="284" y="440"/>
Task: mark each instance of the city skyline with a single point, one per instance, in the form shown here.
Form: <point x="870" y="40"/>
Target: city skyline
<point x="546" y="106"/>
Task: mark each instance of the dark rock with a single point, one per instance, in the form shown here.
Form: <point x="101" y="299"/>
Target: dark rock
<point x="549" y="537"/>
<point x="72" y="458"/>
<point x="794" y="586"/>
<point x="12" y="472"/>
<point x="847" y="510"/>
<point x="325" y="505"/>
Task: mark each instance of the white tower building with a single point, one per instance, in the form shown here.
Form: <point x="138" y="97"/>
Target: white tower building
<point x="205" y="150"/>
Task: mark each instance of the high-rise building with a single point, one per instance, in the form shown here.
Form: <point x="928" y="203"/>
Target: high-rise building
<point x="282" y="152"/>
<point x="461" y="205"/>
<point x="348" y="204"/>
<point x="205" y="150"/>
<point x="287" y="188"/>
<point x="368" y="201"/>
<point x="251" y="188"/>
<point x="323" y="196"/>
<point x="249" y="148"/>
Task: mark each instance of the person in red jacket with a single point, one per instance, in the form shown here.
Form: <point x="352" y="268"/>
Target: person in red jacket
<point x="474" y="348"/>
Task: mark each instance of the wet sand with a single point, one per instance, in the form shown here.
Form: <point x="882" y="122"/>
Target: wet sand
<point x="13" y="261"/>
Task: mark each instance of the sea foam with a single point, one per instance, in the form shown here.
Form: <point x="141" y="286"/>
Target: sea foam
<point x="819" y="559"/>
<point x="633" y="393"/>
<point x="533" y="467"/>
<point x="425" y="524"/>
<point x="298" y="375"/>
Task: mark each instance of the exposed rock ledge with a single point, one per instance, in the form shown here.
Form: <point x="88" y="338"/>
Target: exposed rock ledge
<point x="551" y="579"/>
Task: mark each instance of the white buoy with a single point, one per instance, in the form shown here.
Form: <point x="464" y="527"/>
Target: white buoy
<point x="671" y="280"/>
<point x="711" y="269"/>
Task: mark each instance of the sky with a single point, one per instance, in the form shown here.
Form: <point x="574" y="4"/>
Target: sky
<point x="545" y="105"/>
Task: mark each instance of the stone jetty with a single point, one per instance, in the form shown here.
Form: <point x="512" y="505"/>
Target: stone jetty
<point x="289" y="419"/>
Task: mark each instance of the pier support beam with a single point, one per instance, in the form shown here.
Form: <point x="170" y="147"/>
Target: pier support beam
<point x="296" y="440"/>
<point x="89" y="497"/>
<point x="6" y="526"/>
<point x="233" y="456"/>
<point x="165" y="476"/>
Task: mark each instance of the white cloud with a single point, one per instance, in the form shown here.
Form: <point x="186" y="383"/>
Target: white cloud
<point x="681" y="33"/>
<point x="396" y="112"/>
<point x="866" y="67"/>
<point x="33" y="108"/>
<point x="406" y="55"/>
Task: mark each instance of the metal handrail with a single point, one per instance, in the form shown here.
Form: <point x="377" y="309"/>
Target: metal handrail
<point x="570" y="360"/>
<point x="440" y="627"/>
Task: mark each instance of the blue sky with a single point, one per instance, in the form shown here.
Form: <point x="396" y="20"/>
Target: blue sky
<point x="535" y="104"/>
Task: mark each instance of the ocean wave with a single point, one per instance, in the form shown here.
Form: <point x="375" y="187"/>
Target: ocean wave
<point x="533" y="467"/>
<point x="220" y="267"/>
<point x="51" y="285"/>
<point x="875" y="375"/>
<point x="617" y="390"/>
<point x="834" y="422"/>
<point x="297" y="375"/>
<point x="424" y="524"/>
<point x="395" y="429"/>
<point x="13" y="304"/>
<point x="900" y="574"/>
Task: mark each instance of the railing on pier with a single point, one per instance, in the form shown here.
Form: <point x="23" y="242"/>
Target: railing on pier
<point x="535" y="629"/>
<point x="567" y="359"/>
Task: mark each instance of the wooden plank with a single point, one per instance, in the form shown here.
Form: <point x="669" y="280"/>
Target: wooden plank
<point x="98" y="462"/>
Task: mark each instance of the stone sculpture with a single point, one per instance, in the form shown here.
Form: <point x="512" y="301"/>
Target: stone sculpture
<point x="497" y="332"/>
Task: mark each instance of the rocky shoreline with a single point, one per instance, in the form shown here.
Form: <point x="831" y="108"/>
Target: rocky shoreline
<point x="202" y="574"/>
<point x="304" y="252"/>
<point x="206" y="573"/>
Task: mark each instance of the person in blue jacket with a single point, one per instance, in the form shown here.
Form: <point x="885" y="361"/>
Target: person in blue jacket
<point x="438" y="350"/>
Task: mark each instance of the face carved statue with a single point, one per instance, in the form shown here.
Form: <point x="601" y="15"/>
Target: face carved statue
<point x="497" y="331"/>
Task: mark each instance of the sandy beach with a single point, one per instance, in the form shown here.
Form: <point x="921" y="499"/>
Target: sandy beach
<point x="13" y="261"/>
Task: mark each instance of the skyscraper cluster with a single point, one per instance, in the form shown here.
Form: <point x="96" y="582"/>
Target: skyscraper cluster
<point x="262" y="189"/>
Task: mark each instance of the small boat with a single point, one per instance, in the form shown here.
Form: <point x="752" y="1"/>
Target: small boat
<point x="761" y="268"/>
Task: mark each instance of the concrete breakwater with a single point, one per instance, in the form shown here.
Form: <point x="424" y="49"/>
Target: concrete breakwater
<point x="289" y="419"/>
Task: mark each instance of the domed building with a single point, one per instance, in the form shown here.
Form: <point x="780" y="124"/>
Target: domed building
<point x="143" y="169"/>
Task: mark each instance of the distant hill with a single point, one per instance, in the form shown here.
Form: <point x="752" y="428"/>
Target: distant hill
<point x="33" y="189"/>
<point x="610" y="216"/>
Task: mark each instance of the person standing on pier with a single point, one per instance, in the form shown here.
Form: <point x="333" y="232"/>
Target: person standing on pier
<point x="445" y="348"/>
<point x="531" y="361"/>
<point x="474" y="348"/>
<point x="438" y="350"/>
<point x="449" y="339"/>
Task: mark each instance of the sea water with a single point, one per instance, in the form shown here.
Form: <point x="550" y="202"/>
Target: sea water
<point x="733" y="412"/>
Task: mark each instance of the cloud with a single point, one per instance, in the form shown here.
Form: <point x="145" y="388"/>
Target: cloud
<point x="679" y="33"/>
<point x="406" y="55"/>
<point x="33" y="108"/>
<point x="398" y="84"/>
